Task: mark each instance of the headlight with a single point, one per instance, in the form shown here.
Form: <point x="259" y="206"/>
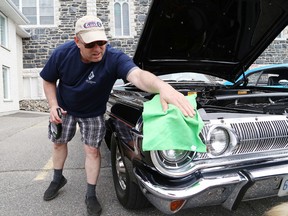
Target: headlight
<point x="173" y="157"/>
<point x="174" y="163"/>
<point x="221" y="141"/>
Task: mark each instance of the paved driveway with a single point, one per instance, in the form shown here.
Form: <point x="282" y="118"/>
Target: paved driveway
<point x="26" y="171"/>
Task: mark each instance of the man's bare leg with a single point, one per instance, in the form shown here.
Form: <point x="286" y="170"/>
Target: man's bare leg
<point x="60" y="152"/>
<point x="92" y="167"/>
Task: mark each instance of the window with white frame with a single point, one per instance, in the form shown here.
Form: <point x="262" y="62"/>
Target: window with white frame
<point x="3" y="30"/>
<point x="38" y="12"/>
<point x="6" y="82"/>
<point x="121" y="17"/>
<point x="30" y="88"/>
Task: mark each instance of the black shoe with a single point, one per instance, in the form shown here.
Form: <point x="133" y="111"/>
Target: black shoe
<point x="53" y="189"/>
<point x="93" y="206"/>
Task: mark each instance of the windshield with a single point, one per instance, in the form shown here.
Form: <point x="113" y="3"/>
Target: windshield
<point x="181" y="77"/>
<point x="188" y="77"/>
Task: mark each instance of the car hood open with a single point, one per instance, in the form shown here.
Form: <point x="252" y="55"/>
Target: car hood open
<point x="215" y="37"/>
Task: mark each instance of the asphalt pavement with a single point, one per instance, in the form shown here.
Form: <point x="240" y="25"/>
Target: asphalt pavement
<point x="26" y="171"/>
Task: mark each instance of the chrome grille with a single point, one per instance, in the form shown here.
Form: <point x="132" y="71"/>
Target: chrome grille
<point x="259" y="134"/>
<point x="263" y="129"/>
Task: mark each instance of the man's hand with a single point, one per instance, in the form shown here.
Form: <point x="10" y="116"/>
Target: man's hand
<point x="169" y="95"/>
<point x="54" y="116"/>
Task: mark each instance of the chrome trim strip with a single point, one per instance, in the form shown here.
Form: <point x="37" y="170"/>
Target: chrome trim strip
<point x="210" y="181"/>
<point x="191" y="190"/>
<point x="234" y="160"/>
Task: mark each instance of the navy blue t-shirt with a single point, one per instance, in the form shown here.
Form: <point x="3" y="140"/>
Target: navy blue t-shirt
<point x="83" y="88"/>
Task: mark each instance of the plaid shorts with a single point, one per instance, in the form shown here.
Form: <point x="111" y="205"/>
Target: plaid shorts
<point x="92" y="130"/>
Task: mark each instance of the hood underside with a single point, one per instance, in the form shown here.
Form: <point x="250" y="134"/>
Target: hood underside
<point x="215" y="37"/>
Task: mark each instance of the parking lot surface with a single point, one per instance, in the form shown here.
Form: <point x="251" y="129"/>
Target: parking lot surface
<point x="26" y="171"/>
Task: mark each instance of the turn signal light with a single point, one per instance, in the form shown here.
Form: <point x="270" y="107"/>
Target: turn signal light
<point x="176" y="205"/>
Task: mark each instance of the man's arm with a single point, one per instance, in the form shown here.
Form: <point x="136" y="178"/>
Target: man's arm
<point x="50" y="93"/>
<point x="148" y="82"/>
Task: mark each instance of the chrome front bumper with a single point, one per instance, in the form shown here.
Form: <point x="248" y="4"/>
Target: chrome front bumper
<point x="224" y="188"/>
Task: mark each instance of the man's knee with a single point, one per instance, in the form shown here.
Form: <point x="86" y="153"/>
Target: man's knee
<point x="92" y="151"/>
<point x="59" y="147"/>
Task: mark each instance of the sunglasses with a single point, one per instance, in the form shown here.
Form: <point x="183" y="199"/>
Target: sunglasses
<point x="92" y="44"/>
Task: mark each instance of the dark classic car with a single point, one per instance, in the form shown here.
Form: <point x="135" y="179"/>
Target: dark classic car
<point x="245" y="128"/>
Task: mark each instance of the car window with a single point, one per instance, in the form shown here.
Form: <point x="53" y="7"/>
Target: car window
<point x="185" y="76"/>
<point x="263" y="80"/>
<point x="253" y="79"/>
<point x="119" y="82"/>
<point x="182" y="77"/>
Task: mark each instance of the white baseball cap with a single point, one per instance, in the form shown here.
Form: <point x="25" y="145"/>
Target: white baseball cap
<point x="90" y="29"/>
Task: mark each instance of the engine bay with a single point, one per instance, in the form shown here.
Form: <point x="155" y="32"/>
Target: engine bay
<point x="240" y="100"/>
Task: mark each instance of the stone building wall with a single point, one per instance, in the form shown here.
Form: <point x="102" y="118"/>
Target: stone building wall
<point x="38" y="48"/>
<point x="43" y="41"/>
<point x="276" y="53"/>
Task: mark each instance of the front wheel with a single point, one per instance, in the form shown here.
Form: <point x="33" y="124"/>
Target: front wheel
<point x="128" y="193"/>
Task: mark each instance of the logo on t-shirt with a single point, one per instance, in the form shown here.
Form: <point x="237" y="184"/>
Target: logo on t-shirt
<point x="90" y="77"/>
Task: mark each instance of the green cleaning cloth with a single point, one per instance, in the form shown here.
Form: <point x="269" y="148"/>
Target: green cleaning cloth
<point x="171" y="129"/>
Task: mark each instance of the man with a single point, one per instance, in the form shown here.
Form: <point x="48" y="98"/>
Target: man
<point x="78" y="78"/>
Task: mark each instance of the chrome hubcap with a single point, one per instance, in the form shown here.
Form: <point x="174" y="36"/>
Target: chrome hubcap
<point x="120" y="169"/>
